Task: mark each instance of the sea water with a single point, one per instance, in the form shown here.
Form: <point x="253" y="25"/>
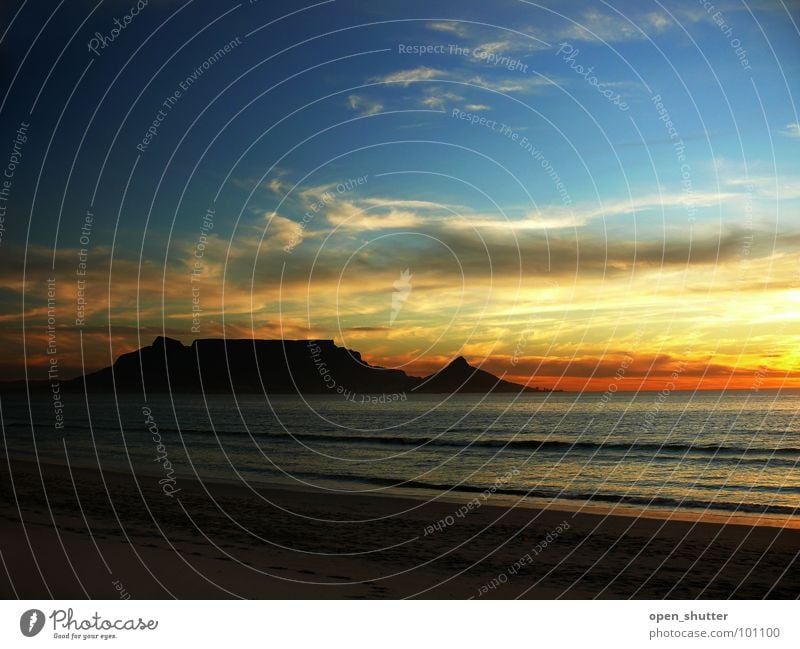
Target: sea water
<point x="715" y="451"/>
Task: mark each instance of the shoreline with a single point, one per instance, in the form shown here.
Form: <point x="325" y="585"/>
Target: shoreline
<point x="223" y="539"/>
<point x="498" y="499"/>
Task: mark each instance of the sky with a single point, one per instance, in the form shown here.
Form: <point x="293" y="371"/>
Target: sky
<point x="573" y="195"/>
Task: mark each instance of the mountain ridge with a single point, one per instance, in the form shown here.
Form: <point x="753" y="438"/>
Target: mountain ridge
<point x="272" y="366"/>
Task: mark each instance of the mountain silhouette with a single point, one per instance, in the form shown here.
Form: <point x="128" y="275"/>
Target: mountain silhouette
<point x="216" y="365"/>
<point x="460" y="376"/>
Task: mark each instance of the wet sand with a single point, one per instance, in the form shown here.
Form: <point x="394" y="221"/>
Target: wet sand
<point x="77" y="533"/>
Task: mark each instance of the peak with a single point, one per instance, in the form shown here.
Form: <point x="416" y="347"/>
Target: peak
<point x="459" y="362"/>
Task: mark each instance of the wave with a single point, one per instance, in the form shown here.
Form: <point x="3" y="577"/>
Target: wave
<point x="622" y="499"/>
<point x="556" y="445"/>
<point x="519" y="444"/>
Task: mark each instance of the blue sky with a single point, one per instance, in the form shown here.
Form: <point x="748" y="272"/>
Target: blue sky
<point x="556" y="184"/>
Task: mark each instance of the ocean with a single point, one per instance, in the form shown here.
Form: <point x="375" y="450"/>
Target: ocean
<point x="720" y="452"/>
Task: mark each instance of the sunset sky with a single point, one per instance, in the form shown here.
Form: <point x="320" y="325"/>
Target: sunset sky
<point x="646" y="209"/>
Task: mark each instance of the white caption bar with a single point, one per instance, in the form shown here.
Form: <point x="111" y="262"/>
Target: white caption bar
<point x="370" y="624"/>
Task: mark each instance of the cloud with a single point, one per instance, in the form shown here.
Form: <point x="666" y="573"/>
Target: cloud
<point x="437" y="97"/>
<point x="364" y="106"/>
<point x="658" y="20"/>
<point x="265" y="293"/>
<point x="528" y="254"/>
<point x="491" y="40"/>
<point x="450" y="27"/>
<point x="525" y="85"/>
<point x="434" y="103"/>
<point x="281" y="232"/>
<point x="496" y="47"/>
<point x="407" y="77"/>
<point x="346" y="215"/>
<point x="553" y="217"/>
<point x="791" y="130"/>
<point x="520" y="248"/>
<point x="439" y="101"/>
<point x="756" y="180"/>
<point x="275" y="184"/>
<point x="511" y="85"/>
<point x="405" y="203"/>
<point x="646" y="370"/>
<point x="770" y="187"/>
<point x="594" y="25"/>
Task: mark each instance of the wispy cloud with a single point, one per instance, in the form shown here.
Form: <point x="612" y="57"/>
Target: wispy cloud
<point x="792" y="130"/>
<point x="454" y="89"/>
<point x="491" y="40"/>
<point x="274" y="184"/>
<point x="438" y="98"/>
<point x="594" y="25"/>
<point x="756" y="180"/>
<point x="374" y="214"/>
<point x="558" y="216"/>
<point x="409" y="204"/>
<point x="363" y="105"/>
<point x="511" y="85"/>
<point x="281" y="232"/>
<point x="407" y="77"/>
<point x="450" y="27"/>
<point x="360" y="221"/>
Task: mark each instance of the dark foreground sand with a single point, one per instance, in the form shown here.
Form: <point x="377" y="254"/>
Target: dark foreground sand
<point x="90" y="537"/>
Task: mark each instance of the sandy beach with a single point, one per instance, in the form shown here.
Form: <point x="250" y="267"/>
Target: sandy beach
<point x="76" y="533"/>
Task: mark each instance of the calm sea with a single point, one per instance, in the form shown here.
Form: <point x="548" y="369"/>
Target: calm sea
<point x="729" y="452"/>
